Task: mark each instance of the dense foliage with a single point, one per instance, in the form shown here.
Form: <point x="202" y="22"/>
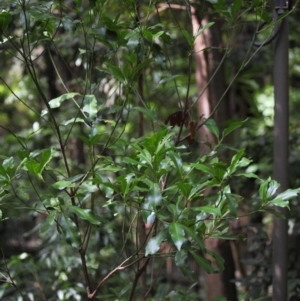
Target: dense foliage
<point x="103" y="179"/>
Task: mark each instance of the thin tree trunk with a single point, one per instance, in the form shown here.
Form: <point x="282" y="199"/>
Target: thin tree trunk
<point x="203" y="104"/>
<point x="281" y="150"/>
<point x="218" y="83"/>
<point x="217" y="284"/>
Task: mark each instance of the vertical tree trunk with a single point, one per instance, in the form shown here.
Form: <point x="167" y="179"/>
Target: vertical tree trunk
<point x="221" y="284"/>
<point x="217" y="284"/>
<point x="203" y="104"/>
<point x="218" y="82"/>
<point x="281" y="153"/>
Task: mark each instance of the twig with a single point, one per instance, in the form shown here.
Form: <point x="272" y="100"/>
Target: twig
<point x="136" y="278"/>
<point x="120" y="267"/>
<point x="9" y="279"/>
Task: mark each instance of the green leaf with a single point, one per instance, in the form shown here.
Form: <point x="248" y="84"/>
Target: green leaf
<point x="70" y="231"/>
<point x="176" y="159"/>
<point x="287" y="195"/>
<point x="212" y="126"/>
<point x="273" y="212"/>
<point x="35" y="153"/>
<point x="115" y="71"/>
<point x="32" y="166"/>
<point x="125" y="183"/>
<point x="222" y="235"/>
<point x="236" y="6"/>
<point x="85" y="214"/>
<point x="244" y="162"/>
<point x="146" y="157"/>
<point x="87" y="187"/>
<point x="219" y="260"/>
<point x="107" y="189"/>
<point x="147" y="34"/>
<point x="60" y="185"/>
<point x="157" y="35"/>
<point x="56" y="102"/>
<point x="235" y="159"/>
<point x="47" y="155"/>
<point x="247" y="175"/>
<point x="72" y="120"/>
<point x="272" y="188"/>
<point x="263" y="189"/>
<point x="111" y="168"/>
<point x="76" y="178"/>
<point x="197" y="190"/>
<point x="263" y="14"/>
<point x="195" y="236"/>
<point x="154" y="197"/>
<point x="202" y="29"/>
<point x="82" y="51"/>
<point x="154" y="143"/>
<point x="55" y="202"/>
<point x="204" y="263"/>
<point x="130" y="57"/>
<point x="232" y="127"/>
<point x="7" y="169"/>
<point x="5" y="18"/>
<point x="4" y="177"/>
<point x="22" y="154"/>
<point x="177" y="234"/>
<point x="232" y="203"/>
<point x="202" y="167"/>
<point x="282" y="199"/>
<point x="135" y="71"/>
<point x="163" y="145"/>
<point x="209" y="209"/>
<point x="184" y="187"/>
<point x="94" y="136"/>
<point x="8" y="164"/>
<point x="84" y="139"/>
<point x="35" y="167"/>
<point x="168" y="79"/>
<point x="181" y="258"/>
<point x="90" y="106"/>
<point x="154" y="243"/>
<point x="147" y="112"/>
<point x="181" y="261"/>
<point x="173" y="210"/>
<point x="48" y="222"/>
<point x="131" y="161"/>
<point x="219" y="171"/>
<point x="188" y="37"/>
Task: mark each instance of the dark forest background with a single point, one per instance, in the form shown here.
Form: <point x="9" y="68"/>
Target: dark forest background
<point x="137" y="150"/>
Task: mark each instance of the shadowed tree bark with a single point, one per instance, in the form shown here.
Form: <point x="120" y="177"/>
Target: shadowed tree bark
<point x="217" y="284"/>
<point x="203" y="104"/>
<point x="281" y="154"/>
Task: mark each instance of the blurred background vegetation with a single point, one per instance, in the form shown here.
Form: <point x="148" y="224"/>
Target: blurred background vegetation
<point x="135" y="63"/>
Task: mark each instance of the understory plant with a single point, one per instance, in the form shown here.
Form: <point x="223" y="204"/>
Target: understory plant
<point x="110" y="179"/>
